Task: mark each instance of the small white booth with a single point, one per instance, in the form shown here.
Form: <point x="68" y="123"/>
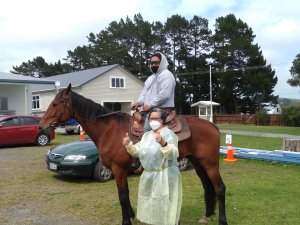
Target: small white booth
<point x="205" y="109"/>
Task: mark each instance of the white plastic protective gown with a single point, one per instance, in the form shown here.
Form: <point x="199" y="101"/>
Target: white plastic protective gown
<point x="160" y="188"/>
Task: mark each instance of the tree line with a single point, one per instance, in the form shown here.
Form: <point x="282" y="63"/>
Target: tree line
<point x="241" y="78"/>
<point x="295" y="72"/>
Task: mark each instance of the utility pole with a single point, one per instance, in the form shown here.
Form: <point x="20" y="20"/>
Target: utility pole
<point x="210" y="93"/>
<point x="57" y="85"/>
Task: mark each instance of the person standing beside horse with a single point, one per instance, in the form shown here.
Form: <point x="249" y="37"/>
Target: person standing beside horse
<point x="159" y="88"/>
<point x="160" y="187"/>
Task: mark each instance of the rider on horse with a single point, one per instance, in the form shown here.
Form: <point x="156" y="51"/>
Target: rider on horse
<point x="159" y="88"/>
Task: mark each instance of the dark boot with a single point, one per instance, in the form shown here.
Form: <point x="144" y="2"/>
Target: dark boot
<point x="135" y="164"/>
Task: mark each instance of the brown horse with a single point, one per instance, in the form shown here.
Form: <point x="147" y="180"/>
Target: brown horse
<point x="107" y="131"/>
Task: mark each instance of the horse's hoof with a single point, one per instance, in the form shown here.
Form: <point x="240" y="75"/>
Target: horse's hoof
<point x="204" y="220"/>
<point x="223" y="223"/>
<point x="127" y="222"/>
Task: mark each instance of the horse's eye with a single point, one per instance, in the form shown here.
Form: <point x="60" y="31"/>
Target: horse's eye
<point x="54" y="104"/>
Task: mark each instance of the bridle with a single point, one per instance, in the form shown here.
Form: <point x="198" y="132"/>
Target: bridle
<point x="66" y="105"/>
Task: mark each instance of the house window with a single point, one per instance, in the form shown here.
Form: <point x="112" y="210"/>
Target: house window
<point x="3" y="103"/>
<point x="203" y="111"/>
<point x="35" y="102"/>
<point x="117" y="82"/>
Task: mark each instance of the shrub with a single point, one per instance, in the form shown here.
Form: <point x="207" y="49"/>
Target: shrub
<point x="291" y="116"/>
<point x="262" y="117"/>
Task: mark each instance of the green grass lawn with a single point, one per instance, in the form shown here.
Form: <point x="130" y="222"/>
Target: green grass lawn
<point x="258" y="192"/>
<point x="265" y="143"/>
<point x="242" y="141"/>
<point x="245" y="141"/>
<point x="63" y="138"/>
<point x="267" y="129"/>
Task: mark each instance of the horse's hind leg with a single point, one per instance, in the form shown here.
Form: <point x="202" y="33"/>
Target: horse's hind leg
<point x="123" y="191"/>
<point x="220" y="190"/>
<point x="213" y="187"/>
<point x="127" y="211"/>
<point x="209" y="192"/>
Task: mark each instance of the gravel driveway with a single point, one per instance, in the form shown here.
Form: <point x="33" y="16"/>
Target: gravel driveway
<point x="30" y="194"/>
<point x="22" y="170"/>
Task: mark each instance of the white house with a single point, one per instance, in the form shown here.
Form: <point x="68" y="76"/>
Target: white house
<point x="111" y="86"/>
<point x="271" y="108"/>
<point x="204" y="109"/>
<point x="15" y="93"/>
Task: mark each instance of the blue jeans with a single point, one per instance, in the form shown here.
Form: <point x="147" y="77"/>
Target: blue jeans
<point x="146" y="123"/>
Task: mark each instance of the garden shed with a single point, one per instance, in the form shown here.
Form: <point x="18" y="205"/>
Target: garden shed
<point x="205" y="109"/>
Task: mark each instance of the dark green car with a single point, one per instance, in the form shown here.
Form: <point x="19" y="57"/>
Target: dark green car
<point x="80" y="158"/>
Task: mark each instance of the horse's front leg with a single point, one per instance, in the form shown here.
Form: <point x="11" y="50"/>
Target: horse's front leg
<point x="123" y="191"/>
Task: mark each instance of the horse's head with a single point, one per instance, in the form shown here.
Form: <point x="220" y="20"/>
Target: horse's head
<point x="59" y="111"/>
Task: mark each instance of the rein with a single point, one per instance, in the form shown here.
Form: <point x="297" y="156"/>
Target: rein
<point x="115" y="112"/>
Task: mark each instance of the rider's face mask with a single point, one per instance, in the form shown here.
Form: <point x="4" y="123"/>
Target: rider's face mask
<point x="154" y="64"/>
<point x="154" y="68"/>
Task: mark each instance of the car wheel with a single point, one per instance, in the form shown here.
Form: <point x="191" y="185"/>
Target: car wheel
<point x="183" y="164"/>
<point x="42" y="140"/>
<point x="101" y="173"/>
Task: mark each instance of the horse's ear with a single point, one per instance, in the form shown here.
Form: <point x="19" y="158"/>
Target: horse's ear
<point x="68" y="89"/>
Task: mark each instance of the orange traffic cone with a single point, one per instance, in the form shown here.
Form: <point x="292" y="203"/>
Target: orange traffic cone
<point x="81" y="136"/>
<point x="230" y="156"/>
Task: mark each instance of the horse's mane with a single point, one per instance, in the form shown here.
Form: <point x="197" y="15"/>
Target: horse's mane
<point x="87" y="108"/>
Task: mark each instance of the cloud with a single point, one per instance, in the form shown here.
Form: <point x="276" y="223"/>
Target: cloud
<point x="49" y="28"/>
<point x="282" y="86"/>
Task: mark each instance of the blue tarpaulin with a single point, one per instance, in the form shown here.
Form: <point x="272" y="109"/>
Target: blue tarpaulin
<point x="276" y="155"/>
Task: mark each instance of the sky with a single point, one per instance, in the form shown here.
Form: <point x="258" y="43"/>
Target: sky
<point x="49" y="28"/>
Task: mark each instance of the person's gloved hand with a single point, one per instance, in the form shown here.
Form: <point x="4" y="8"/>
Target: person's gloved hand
<point x="134" y="105"/>
<point x="159" y="139"/>
<point x="126" y="140"/>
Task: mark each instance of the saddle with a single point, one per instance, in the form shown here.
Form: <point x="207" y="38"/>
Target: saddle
<point x="177" y="124"/>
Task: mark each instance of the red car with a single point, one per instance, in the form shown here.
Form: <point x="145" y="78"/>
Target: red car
<point x="19" y="129"/>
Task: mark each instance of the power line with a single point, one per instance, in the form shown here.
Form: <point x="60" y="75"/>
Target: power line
<point x="218" y="71"/>
<point x="213" y="71"/>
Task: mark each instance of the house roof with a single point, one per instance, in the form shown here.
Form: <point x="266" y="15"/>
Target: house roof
<point x="21" y="79"/>
<point x="77" y="78"/>
<point x="204" y="103"/>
